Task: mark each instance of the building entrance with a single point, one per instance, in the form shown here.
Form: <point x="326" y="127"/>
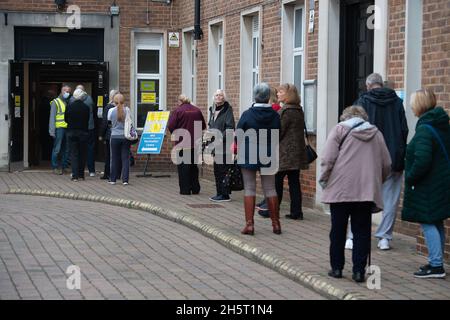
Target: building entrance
<point x="356" y="50"/>
<point x="38" y="84"/>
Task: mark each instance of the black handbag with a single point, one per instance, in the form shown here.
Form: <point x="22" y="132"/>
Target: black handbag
<point x="233" y="178"/>
<point x="311" y="154"/>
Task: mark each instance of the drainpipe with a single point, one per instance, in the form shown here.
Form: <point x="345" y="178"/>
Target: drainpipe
<point x="198" y="33"/>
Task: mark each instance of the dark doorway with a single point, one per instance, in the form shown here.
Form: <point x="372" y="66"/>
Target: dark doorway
<point x="356" y="50"/>
<point x="46" y="80"/>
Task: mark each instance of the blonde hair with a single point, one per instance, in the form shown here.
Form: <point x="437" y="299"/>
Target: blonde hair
<point x="354" y="112"/>
<point x="120" y="107"/>
<point x="292" y="96"/>
<point x="273" y="95"/>
<point x="184" y="99"/>
<point x="423" y="100"/>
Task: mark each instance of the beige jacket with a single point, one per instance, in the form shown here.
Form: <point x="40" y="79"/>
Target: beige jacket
<point x="356" y="172"/>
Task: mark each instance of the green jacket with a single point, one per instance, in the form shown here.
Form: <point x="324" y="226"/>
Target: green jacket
<point x="427" y="171"/>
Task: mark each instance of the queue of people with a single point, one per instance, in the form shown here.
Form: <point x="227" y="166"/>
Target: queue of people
<point x="362" y="163"/>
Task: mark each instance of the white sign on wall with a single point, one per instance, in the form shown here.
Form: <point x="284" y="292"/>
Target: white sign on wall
<point x="174" y="39"/>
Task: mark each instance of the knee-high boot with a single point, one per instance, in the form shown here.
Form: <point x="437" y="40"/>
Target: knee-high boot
<point x="274" y="209"/>
<point x="249" y="205"/>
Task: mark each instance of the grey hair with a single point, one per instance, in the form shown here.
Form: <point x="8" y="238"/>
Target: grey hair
<point x="354" y="112"/>
<point x="374" y="79"/>
<point x="112" y="94"/>
<point x="261" y="93"/>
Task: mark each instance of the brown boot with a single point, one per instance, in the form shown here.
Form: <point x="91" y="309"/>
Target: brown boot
<point x="272" y="204"/>
<point x="249" y="205"/>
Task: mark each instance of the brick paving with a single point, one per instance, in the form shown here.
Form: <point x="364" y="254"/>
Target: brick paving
<point x="122" y="254"/>
<point x="303" y="243"/>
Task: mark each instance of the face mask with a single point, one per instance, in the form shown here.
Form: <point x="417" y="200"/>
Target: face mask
<point x="66" y="95"/>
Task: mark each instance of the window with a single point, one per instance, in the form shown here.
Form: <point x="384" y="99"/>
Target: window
<point x="189" y="65"/>
<point x="298" y="49"/>
<point x="220" y="58"/>
<point x="255" y="50"/>
<point x="216" y="58"/>
<point x="249" y="56"/>
<point x="149" y="75"/>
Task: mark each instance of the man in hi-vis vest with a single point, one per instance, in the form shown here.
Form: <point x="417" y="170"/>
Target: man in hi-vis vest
<point x="57" y="130"/>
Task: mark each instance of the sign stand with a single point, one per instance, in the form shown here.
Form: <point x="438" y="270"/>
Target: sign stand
<point x="152" y="139"/>
<point x="145" y="175"/>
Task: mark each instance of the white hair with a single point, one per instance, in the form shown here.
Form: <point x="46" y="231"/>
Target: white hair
<point x="79" y="94"/>
<point x="222" y="91"/>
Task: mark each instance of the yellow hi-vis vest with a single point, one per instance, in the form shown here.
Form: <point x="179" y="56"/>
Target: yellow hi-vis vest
<point x="60" y="110"/>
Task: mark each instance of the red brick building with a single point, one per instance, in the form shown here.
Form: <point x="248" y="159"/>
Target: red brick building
<point x="329" y="45"/>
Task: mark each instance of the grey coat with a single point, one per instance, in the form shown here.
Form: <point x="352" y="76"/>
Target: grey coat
<point x="292" y="138"/>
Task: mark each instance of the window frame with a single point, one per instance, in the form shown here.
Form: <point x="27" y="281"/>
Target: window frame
<point x="147" y="76"/>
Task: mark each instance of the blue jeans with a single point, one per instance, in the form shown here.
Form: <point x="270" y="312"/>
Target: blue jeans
<point x="435" y="240"/>
<point x="60" y="149"/>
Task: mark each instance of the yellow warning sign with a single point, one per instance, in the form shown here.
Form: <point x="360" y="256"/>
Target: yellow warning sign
<point x="18" y="100"/>
<point x="100" y="101"/>
<point x="148" y="97"/>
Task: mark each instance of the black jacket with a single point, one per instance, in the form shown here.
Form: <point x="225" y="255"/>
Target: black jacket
<point x="225" y="119"/>
<point x="77" y="116"/>
<point x="386" y="111"/>
<point x="105" y="129"/>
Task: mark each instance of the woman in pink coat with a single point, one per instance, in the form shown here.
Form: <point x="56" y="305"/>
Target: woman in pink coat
<point x="354" y="165"/>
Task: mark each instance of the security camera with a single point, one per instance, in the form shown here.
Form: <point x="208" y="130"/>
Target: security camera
<point x="60" y="4"/>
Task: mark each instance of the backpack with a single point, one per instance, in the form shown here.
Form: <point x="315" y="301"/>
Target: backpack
<point x="129" y="130"/>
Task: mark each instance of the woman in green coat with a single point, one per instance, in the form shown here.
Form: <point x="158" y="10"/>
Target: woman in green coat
<point x="427" y="179"/>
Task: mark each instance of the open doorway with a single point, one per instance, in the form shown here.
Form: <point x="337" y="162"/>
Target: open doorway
<point x="46" y="81"/>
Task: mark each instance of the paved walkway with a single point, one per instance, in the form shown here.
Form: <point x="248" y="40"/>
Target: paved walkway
<point x="122" y="254"/>
<point x="303" y="243"/>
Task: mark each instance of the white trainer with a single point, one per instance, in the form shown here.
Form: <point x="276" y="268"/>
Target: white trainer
<point x="383" y="244"/>
<point x="349" y="244"/>
<point x="92" y="174"/>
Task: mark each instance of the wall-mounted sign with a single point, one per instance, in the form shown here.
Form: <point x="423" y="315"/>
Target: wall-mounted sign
<point x="310" y="104"/>
<point x="147" y="86"/>
<point x="148" y="97"/>
<point x="17" y="100"/>
<point x="311" y="21"/>
<point x="174" y="39"/>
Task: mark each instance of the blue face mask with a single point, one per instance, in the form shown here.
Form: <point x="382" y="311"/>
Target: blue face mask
<point x="66" y="95"/>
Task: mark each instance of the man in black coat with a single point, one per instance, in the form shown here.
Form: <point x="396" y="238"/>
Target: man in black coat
<point x="77" y="118"/>
<point x="386" y="111"/>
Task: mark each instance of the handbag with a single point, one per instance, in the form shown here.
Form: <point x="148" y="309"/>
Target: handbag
<point x="130" y="132"/>
<point x="233" y="178"/>
<point x="311" y="154"/>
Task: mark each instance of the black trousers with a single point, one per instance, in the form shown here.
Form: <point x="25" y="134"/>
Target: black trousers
<point x="188" y="174"/>
<point x="107" y="158"/>
<point x="78" y="142"/>
<point x="219" y="173"/>
<point x="295" y="191"/>
<point x="361" y="224"/>
<point x="120" y="159"/>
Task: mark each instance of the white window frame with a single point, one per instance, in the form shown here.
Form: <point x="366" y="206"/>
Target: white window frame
<point x="216" y="75"/>
<point x="247" y="59"/>
<point x="189" y="66"/>
<point x="134" y="76"/>
<point x="148" y="76"/>
<point x="299" y="51"/>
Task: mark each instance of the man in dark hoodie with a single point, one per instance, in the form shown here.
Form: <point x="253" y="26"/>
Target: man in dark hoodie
<point x="385" y="110"/>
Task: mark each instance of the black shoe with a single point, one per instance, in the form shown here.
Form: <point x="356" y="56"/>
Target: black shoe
<point x="104" y="178"/>
<point x="264" y="213"/>
<point x="293" y="217"/>
<point x="220" y="198"/>
<point x="358" y="277"/>
<point x="428" y="271"/>
<point x="185" y="193"/>
<point x="335" y="274"/>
